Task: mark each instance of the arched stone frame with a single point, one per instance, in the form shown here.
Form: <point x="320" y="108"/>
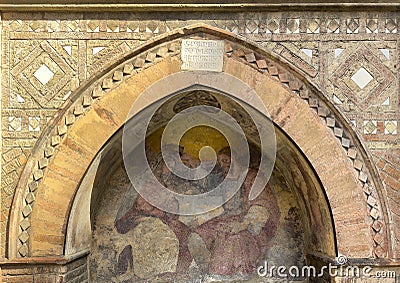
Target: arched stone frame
<point x="66" y="148"/>
<point x="82" y="216"/>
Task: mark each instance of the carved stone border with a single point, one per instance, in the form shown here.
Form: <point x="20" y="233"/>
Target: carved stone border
<point x="88" y="98"/>
<point x="189" y="6"/>
<point x="252" y="23"/>
<point x="273" y="69"/>
<point x="261" y="63"/>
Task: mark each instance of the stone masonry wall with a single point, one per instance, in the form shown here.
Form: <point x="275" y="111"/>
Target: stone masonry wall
<point x="46" y="271"/>
<point x="351" y="57"/>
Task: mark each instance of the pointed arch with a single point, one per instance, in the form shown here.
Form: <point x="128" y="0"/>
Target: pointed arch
<point x="99" y="108"/>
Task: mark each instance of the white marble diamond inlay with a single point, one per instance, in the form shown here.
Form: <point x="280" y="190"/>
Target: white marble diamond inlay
<point x="385" y="52"/>
<point x="96" y="50"/>
<point x="308" y="52"/>
<point x="386" y="102"/>
<point x="338" y="51"/>
<point x="68" y="49"/>
<point x="20" y="99"/>
<point x="362" y="78"/>
<point x="43" y="74"/>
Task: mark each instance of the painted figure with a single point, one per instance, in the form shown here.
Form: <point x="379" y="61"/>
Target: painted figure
<point x="238" y="238"/>
<point x="232" y="241"/>
<point x="142" y="210"/>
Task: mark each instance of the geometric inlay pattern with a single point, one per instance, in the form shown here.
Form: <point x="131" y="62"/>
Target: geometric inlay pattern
<point x="103" y="52"/>
<point x="391" y="127"/>
<point x="48" y="59"/>
<point x="43" y="73"/>
<point x="303" y="55"/>
<point x="333" y="26"/>
<point x="362" y="77"/>
<point x="353" y="25"/>
<point x="370" y="127"/>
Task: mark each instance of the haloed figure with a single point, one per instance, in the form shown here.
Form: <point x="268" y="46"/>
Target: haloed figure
<point x="237" y="239"/>
<point x="224" y="159"/>
<point x="229" y="240"/>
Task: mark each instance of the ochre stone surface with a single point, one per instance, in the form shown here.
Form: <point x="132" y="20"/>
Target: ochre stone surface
<point x="155" y="249"/>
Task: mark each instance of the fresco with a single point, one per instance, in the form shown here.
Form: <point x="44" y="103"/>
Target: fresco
<point x="134" y="241"/>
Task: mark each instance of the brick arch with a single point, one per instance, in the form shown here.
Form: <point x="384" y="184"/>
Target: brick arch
<point x="99" y="109"/>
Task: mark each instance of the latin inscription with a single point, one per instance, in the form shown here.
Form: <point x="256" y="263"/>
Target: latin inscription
<point x="203" y="55"/>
